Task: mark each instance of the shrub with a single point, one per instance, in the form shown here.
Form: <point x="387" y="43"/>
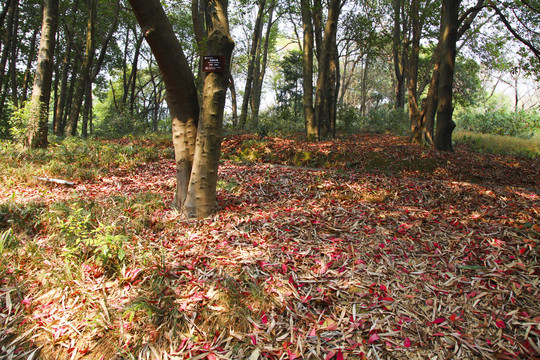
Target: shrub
<point x="501" y="122"/>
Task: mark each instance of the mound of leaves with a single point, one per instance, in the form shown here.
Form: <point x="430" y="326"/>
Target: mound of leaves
<point x="363" y="248"/>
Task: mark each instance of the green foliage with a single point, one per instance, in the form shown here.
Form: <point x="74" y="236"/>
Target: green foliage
<point x="522" y="123"/>
<point x="384" y="119"/>
<point x="18" y="127"/>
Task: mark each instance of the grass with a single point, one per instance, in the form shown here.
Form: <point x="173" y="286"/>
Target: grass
<point x="497" y="144"/>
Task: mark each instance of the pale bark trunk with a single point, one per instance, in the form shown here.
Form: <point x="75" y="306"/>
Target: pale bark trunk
<point x="41" y="92"/>
<point x="197" y="143"/>
<point x="201" y="198"/>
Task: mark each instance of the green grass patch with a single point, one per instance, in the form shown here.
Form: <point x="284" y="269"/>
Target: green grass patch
<point x="498" y="144"/>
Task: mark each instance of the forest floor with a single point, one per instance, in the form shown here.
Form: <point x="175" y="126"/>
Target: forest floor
<point x="367" y="247"/>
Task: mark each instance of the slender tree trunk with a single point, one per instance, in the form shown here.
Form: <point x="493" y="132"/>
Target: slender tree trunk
<point x="398" y="56"/>
<point x="133" y="79"/>
<point x="414" y="111"/>
<point x="61" y="99"/>
<point x="41" y="92"/>
<point x="84" y="74"/>
<point x="234" y="102"/>
<point x="312" y="131"/>
<point x="31" y="57"/>
<point x="7" y="44"/>
<point x="13" y="61"/>
<point x="255" y="44"/>
<point x="445" y="124"/>
<point x="334" y="80"/>
<point x="258" y="79"/>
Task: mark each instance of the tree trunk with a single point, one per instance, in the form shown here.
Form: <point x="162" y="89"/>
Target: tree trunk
<point x="7" y="43"/>
<point x="255" y="44"/>
<point x="398" y="56"/>
<point x="414" y="111"/>
<point x="312" y="131"/>
<point x="31" y="56"/>
<point x="445" y="124"/>
<point x="258" y="79"/>
<point x="84" y="74"/>
<point x="234" y="103"/>
<point x="13" y="61"/>
<point x="41" y="92"/>
<point x="323" y="92"/>
<point x="201" y="198"/>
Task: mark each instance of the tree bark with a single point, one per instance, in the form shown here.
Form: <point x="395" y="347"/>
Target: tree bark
<point x="323" y="93"/>
<point x="255" y="45"/>
<point x="201" y="197"/>
<point x="399" y="55"/>
<point x="84" y="74"/>
<point x="445" y="124"/>
<point x="260" y="69"/>
<point x="312" y="131"/>
<point x="41" y="92"/>
<point x="414" y="111"/>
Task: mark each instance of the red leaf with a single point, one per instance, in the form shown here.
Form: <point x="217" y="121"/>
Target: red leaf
<point x="373" y="338"/>
<point x="264" y="319"/>
<point x="407" y="343"/>
<point x="500" y="324"/>
<point x="439" y="320"/>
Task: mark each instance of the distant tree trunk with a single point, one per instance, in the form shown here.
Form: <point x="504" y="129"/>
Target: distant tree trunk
<point x="312" y="131"/>
<point x="432" y="100"/>
<point x="255" y="42"/>
<point x="27" y="71"/>
<point x="87" y="110"/>
<point x="13" y="61"/>
<point x="414" y="111"/>
<point x="445" y="124"/>
<point x="260" y="69"/>
<point x="334" y="80"/>
<point x="197" y="144"/>
<point x="133" y="76"/>
<point x="84" y="74"/>
<point x="41" y="92"/>
<point x="7" y="45"/>
<point x="234" y="103"/>
<point x="61" y="99"/>
<point x="399" y="54"/>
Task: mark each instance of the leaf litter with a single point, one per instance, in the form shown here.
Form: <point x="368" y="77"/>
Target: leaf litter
<point x="326" y="258"/>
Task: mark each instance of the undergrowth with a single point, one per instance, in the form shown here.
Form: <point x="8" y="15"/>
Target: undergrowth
<point x="498" y="144"/>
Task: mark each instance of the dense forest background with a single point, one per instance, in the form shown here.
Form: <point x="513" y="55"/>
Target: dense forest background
<point x="105" y="81"/>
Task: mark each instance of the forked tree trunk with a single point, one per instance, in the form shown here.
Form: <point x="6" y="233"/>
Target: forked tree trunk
<point x="41" y="92"/>
<point x="197" y="142"/>
<point x="445" y="124"/>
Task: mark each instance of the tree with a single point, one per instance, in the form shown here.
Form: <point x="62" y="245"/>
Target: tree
<point x="449" y="32"/>
<point x="196" y="131"/>
<point x="41" y="92"/>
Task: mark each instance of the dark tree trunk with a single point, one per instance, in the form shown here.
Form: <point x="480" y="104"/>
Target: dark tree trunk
<point x="445" y="124"/>
<point x="414" y="111"/>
